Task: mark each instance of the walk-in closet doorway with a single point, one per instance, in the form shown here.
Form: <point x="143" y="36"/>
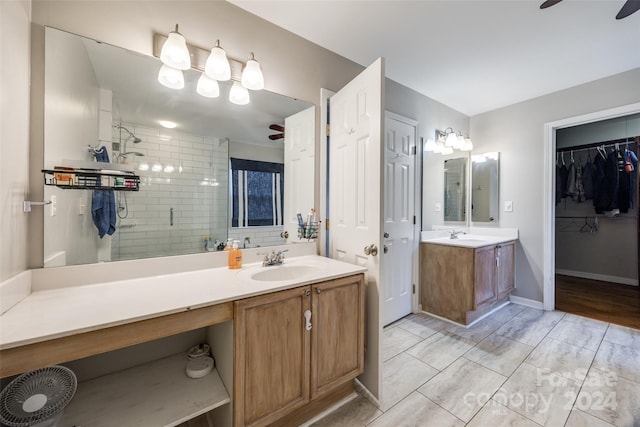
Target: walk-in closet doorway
<point x="595" y="221"/>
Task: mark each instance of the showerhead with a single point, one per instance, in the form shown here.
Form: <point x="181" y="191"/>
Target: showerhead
<point x="122" y="128"/>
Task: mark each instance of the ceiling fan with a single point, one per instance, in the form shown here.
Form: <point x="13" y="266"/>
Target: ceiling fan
<point x="628" y="8"/>
<point x="277" y="128"/>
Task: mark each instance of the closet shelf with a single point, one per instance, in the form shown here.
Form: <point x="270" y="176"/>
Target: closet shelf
<point x="78" y="179"/>
<point x="158" y="393"/>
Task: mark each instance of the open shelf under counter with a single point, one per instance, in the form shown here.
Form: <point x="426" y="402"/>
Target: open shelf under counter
<point x="158" y="393"/>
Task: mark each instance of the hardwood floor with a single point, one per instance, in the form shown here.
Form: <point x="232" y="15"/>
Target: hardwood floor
<point x="609" y="302"/>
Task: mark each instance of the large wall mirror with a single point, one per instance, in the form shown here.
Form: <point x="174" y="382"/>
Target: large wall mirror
<point x="484" y="187"/>
<point x="98" y="95"/>
<point x="455" y="190"/>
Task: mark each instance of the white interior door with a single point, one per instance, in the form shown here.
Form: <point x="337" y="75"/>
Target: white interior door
<point x="299" y="165"/>
<point x="399" y="210"/>
<point x="355" y="185"/>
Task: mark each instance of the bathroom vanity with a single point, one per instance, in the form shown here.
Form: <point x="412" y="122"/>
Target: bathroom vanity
<point x="287" y="344"/>
<point x="464" y="278"/>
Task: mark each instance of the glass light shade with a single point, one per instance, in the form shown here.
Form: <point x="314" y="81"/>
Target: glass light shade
<point x="239" y="94"/>
<point x="217" y="66"/>
<point x="208" y="87"/>
<point x="170" y="77"/>
<point x="175" y="53"/>
<point x="439" y="147"/>
<point x="252" y="77"/>
<point x="430" y="145"/>
<point x="468" y="145"/>
<point x="447" y="151"/>
<point x="459" y="143"/>
<point x="452" y="140"/>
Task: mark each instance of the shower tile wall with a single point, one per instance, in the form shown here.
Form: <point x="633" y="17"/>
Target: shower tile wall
<point x="196" y="189"/>
<point x="260" y="236"/>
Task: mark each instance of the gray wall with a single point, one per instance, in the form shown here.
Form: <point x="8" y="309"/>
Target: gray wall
<point x="517" y="132"/>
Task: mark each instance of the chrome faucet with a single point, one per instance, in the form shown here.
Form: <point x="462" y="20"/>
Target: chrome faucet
<point x="273" y="258"/>
<point x="454" y="234"/>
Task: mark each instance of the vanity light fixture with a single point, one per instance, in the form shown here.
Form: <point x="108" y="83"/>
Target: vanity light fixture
<point x="239" y="94"/>
<point x="448" y="140"/>
<point x="208" y="87"/>
<point x="252" y="77"/>
<point x="217" y="66"/>
<point x="175" y="52"/>
<point x="170" y="77"/>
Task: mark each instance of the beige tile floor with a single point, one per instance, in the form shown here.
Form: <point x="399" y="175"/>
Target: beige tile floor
<point x="517" y="367"/>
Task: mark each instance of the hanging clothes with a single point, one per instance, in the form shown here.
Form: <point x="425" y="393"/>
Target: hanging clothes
<point x="579" y="195"/>
<point x="571" y="180"/>
<point x="103" y="204"/>
<point x="624" y="183"/>
<point x="630" y="166"/>
<point x="587" y="179"/>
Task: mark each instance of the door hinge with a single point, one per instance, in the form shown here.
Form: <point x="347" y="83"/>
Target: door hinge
<point x="326" y="224"/>
<point x="328" y="129"/>
<point x="413" y="150"/>
<point x="413" y="288"/>
<point x="414" y="220"/>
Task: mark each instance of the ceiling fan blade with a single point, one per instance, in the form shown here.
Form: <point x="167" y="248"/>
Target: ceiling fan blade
<point x="549" y="3"/>
<point x="631" y="6"/>
<point x="276" y="136"/>
<point x="277" y="128"/>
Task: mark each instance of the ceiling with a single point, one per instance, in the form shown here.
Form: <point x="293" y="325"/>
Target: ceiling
<point x="472" y="55"/>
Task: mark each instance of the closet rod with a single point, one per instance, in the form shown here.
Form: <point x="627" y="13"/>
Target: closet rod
<point x="606" y="144"/>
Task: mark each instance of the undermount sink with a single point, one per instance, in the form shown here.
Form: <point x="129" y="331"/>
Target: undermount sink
<point x="283" y="272"/>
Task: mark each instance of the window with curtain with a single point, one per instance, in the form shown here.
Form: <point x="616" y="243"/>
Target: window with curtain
<point x="257" y="193"/>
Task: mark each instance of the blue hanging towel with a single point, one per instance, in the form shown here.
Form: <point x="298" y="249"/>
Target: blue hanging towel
<point x="103" y="203"/>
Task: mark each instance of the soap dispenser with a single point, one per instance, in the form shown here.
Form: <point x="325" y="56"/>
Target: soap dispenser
<point x="235" y="256"/>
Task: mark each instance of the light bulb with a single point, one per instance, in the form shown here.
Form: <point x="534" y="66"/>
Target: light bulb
<point x="208" y="87"/>
<point x="430" y="145"/>
<point x="239" y="94"/>
<point x="451" y="140"/>
<point x="174" y="51"/>
<point x="468" y="145"/>
<point x="170" y="77"/>
<point x="252" y="77"/>
<point x="217" y="66"/>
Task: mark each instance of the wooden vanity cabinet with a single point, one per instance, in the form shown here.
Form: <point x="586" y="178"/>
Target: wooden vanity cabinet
<point x="461" y="283"/>
<point x="280" y="364"/>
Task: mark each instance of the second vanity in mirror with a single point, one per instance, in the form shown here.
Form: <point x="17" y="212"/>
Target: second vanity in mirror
<point x="99" y="95"/>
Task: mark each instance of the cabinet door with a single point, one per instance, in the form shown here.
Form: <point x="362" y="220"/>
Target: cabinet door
<point x="271" y="356"/>
<point x="485" y="278"/>
<point x="505" y="276"/>
<point x="337" y="336"/>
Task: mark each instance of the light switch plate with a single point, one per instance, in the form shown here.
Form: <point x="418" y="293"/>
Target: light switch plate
<point x="508" y="206"/>
<point x="438" y="207"/>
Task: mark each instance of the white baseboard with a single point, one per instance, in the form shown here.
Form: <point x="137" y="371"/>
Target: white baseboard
<point x="595" y="276"/>
<point x="329" y="410"/>
<point x="526" y="302"/>
<point x="360" y="388"/>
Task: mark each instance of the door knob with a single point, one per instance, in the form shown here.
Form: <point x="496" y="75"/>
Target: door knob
<point x="371" y="250"/>
<point x="284" y="234"/>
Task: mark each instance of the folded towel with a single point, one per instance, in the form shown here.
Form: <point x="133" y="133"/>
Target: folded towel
<point x="103" y="204"/>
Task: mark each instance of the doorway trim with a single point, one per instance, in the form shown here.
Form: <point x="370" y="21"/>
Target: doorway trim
<point x="549" y="264"/>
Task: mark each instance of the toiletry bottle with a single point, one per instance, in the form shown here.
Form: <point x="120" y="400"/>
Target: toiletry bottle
<point x="311" y="223"/>
<point x="235" y="256"/>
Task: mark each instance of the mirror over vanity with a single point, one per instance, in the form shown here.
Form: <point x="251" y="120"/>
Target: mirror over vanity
<point x="483" y="199"/>
<point x="98" y="95"/>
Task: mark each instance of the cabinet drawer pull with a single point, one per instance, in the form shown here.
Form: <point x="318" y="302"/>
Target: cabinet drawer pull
<point x="307" y="316"/>
<point x="307" y="293"/>
<point x="318" y="290"/>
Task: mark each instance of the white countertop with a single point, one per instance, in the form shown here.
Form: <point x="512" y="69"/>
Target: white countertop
<point x="55" y="313"/>
<point x="470" y="237"/>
